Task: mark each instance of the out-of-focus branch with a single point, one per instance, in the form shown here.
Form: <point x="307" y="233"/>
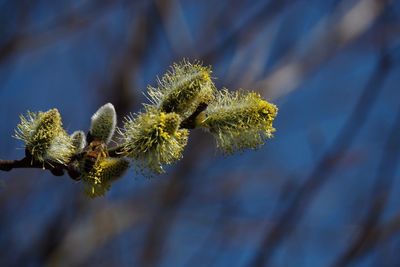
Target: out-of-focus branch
<point x="175" y="26"/>
<point x="171" y="198"/>
<point x="374" y="235"/>
<point x="337" y="34"/>
<point x="64" y="25"/>
<point x="322" y="170"/>
<point x="384" y="180"/>
<point x="267" y="12"/>
<point x="95" y="229"/>
<point x="121" y="88"/>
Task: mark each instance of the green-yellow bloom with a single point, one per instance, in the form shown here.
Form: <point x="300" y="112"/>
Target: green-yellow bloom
<point x="105" y="170"/>
<point x="44" y="136"/>
<point x="183" y="88"/>
<point x="239" y="120"/>
<point x="154" y="139"/>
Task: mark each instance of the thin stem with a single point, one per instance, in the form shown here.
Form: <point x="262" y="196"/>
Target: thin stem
<point x="190" y="122"/>
<point x="56" y="169"/>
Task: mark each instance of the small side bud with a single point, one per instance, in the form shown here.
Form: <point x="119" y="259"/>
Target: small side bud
<point x="154" y="139"/>
<point x="183" y="88"/>
<point x="44" y="137"/>
<point x="103" y="123"/>
<point x="239" y="120"/>
<point x="104" y="172"/>
<point x="79" y="141"/>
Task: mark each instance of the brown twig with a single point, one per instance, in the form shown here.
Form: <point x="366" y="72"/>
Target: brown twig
<point x="57" y="169"/>
<point x="190" y="122"/>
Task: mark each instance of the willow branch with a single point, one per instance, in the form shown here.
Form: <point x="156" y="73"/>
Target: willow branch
<point x="58" y="169"/>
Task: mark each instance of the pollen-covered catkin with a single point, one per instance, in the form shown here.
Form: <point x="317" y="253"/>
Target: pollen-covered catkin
<point x="239" y="120"/>
<point x="183" y="88"/>
<point x="44" y="136"/>
<point x="106" y="170"/>
<point x="153" y="139"/>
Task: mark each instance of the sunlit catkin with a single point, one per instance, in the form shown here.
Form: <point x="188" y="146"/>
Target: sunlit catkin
<point x="153" y="139"/>
<point x="239" y="120"/>
<point x="106" y="170"/>
<point x="44" y="137"/>
<point x="183" y="88"/>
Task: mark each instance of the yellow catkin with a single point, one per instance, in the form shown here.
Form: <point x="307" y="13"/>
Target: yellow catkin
<point x="153" y="139"/>
<point x="239" y="120"/>
<point x="106" y="170"/>
<point x="45" y="137"/>
<point x="183" y="88"/>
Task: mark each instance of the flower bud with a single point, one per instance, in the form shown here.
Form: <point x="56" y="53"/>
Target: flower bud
<point x="78" y="140"/>
<point x="103" y="123"/>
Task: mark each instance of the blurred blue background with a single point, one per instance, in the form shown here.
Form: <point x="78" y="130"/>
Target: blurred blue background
<point x="323" y="192"/>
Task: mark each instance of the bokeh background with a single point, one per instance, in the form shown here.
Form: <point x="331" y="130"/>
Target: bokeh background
<point x="324" y="192"/>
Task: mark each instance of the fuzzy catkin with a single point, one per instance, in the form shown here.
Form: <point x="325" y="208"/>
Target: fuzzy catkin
<point x="106" y="170"/>
<point x="44" y="136"/>
<point x="239" y="120"/>
<point x="183" y="88"/>
<point x="153" y="139"/>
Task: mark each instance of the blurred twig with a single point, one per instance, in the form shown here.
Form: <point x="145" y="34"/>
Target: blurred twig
<point x="100" y="225"/>
<point x="122" y="86"/>
<point x="171" y="197"/>
<point x="380" y="194"/>
<point x="267" y="12"/>
<point x="54" y="231"/>
<point x="324" y="167"/>
<point x="340" y="31"/>
<point x="64" y="25"/>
